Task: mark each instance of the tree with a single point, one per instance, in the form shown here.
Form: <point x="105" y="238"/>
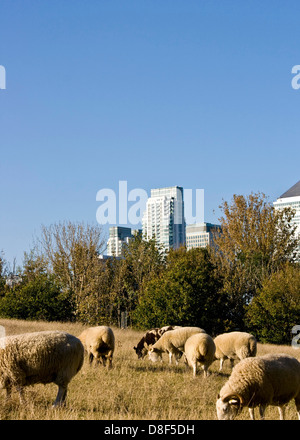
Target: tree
<point x="275" y="310"/>
<point x="39" y="298"/>
<point x="188" y="293"/>
<point x="141" y="261"/>
<point x="255" y="240"/>
<point x="3" y="272"/>
<point x="72" y="251"/>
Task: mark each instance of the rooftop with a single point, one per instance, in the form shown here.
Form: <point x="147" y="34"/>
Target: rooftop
<point x="294" y="191"/>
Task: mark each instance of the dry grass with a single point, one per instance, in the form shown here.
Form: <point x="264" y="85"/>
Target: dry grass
<point x="132" y="390"/>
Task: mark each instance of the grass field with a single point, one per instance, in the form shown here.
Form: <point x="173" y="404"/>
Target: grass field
<point x="132" y="390"/>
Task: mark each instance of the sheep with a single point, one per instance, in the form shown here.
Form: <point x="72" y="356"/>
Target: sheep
<point x="149" y="338"/>
<point x="40" y="357"/>
<point x="200" y="348"/>
<point x="99" y="342"/>
<point x="272" y="379"/>
<point x="234" y="345"/>
<point x="172" y="342"/>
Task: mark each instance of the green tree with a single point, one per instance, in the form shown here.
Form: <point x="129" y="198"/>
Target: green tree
<point x="274" y="311"/>
<point x="40" y="298"/>
<point x="254" y="242"/>
<point x="72" y="251"/>
<point x="2" y="273"/>
<point x="186" y="293"/>
<point x="141" y="261"/>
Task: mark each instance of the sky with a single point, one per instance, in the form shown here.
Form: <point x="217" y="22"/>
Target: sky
<point x="161" y="93"/>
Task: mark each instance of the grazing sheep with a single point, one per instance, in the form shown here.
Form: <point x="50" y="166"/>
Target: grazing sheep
<point x="234" y="345"/>
<point x="200" y="348"/>
<point x="99" y="343"/>
<point x="149" y="338"/>
<point x="273" y="379"/>
<point x="172" y="342"/>
<point x="40" y="357"/>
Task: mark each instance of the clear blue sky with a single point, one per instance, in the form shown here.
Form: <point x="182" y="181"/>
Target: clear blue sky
<point x="159" y="93"/>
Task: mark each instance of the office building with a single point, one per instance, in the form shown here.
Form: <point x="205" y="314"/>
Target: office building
<point x="164" y="217"/>
<point x="200" y="235"/>
<point x="291" y="199"/>
<point x="118" y="236"/>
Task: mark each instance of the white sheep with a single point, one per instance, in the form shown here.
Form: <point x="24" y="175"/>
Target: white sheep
<point x="172" y="342"/>
<point x="99" y="343"/>
<point x="200" y="348"/>
<point x="40" y="357"/>
<point x="234" y="345"/>
<point x="272" y="379"/>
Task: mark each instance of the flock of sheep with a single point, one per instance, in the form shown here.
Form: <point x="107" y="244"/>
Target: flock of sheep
<point x="56" y="356"/>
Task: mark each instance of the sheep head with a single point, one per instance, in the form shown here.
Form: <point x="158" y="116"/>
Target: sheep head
<point x="229" y="406"/>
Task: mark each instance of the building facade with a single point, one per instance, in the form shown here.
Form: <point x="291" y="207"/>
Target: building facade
<point x="200" y="235"/>
<point x="118" y="236"/>
<point x="291" y="199"/>
<point x="164" y="217"/>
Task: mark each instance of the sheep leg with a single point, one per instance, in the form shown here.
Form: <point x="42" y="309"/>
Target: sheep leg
<point x="8" y="392"/>
<point x="297" y="402"/>
<point x="21" y="394"/>
<point x="281" y="412"/>
<point x="109" y="363"/>
<point x="170" y="357"/>
<point x="61" y="396"/>
<point x="251" y="412"/>
<point x="91" y="358"/>
<point x="262" y="409"/>
<point x="205" y="369"/>
<point x="221" y="364"/>
<point x="194" y="369"/>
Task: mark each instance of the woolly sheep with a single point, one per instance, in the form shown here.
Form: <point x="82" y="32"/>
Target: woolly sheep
<point x="272" y="379"/>
<point x="234" y="345"/>
<point x="149" y="338"/>
<point x="99" y="343"/>
<point x="172" y="342"/>
<point x="40" y="357"/>
<point x="199" y="348"/>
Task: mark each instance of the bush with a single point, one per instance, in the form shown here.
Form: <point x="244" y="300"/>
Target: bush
<point x="38" y="299"/>
<point x="272" y="314"/>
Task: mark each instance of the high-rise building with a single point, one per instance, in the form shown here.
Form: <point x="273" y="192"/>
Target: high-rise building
<point x="200" y="235"/>
<point x="164" y="217"/>
<point x="291" y="198"/>
<point x="118" y="236"/>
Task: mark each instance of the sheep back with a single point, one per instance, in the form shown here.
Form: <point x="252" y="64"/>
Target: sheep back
<point x="99" y="343"/>
<point x="201" y="348"/>
<point x="40" y="357"/>
<point x="176" y="338"/>
<point x="235" y="345"/>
